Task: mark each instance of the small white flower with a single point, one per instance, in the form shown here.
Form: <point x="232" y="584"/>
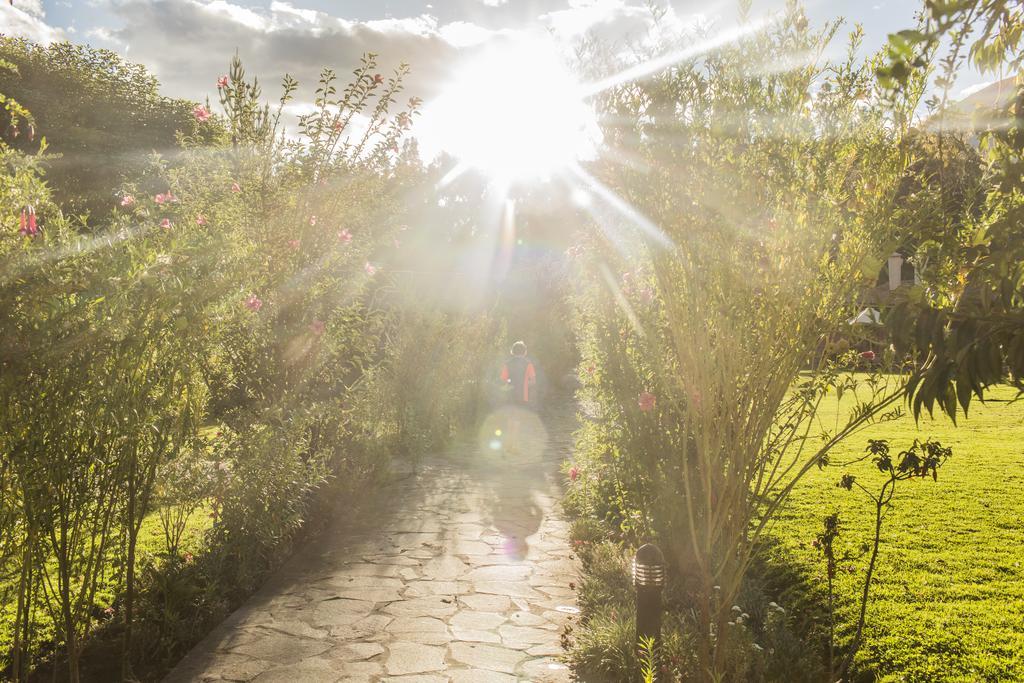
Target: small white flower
<point x="758" y="647"/>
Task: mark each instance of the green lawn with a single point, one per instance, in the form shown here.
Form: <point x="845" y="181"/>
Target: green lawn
<point x="948" y="604"/>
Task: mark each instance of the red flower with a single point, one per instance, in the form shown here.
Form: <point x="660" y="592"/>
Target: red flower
<point x="254" y="303"/>
<point x="377" y="79"/>
<point x="646" y="401"/>
<point x="574" y="474"/>
<point x="868" y="355"/>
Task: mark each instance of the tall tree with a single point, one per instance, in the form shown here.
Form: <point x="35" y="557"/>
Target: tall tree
<point x="967" y="321"/>
<point x="103" y="116"/>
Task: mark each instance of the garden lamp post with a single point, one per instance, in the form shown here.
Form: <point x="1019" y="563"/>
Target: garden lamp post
<point x="649" y="579"/>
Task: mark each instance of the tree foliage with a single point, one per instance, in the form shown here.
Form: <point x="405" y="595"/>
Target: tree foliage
<point x="966" y="322"/>
<point x="103" y="115"/>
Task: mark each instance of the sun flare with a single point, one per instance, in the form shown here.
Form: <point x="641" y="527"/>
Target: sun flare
<point x="514" y="112"/>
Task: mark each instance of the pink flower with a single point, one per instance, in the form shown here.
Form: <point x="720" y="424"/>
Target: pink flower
<point x="28" y="227"/>
<point x="109" y="611"/>
<point x="166" y="224"/>
<point x="370" y="268"/>
<point x="165" y="198"/>
<point x="294" y="244"/>
<point x="345" y="236"/>
<point x="646" y="401"/>
<point x="127" y="201"/>
<point x="254" y="303"/>
<point x="574" y="473"/>
<point x="235" y="187"/>
<point x="398" y="244"/>
<point x="222" y="82"/>
<point x="188" y="557"/>
<point x="317" y="327"/>
<point x="377" y="79"/>
<point x="200" y="219"/>
<point x="591" y="369"/>
<point x="868" y="355"/>
<point x="201" y="113"/>
<point x="312" y="220"/>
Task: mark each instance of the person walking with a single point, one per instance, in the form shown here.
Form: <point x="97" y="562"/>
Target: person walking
<point x="519" y="377"/>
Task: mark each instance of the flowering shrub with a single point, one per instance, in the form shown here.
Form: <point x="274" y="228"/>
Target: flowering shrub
<point x="244" y="288"/>
<point x="711" y="348"/>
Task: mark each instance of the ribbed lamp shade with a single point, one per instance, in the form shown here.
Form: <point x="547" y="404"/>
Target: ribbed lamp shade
<point x="649" y="566"/>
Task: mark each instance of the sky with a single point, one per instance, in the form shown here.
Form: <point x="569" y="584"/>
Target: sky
<point x="187" y="44"/>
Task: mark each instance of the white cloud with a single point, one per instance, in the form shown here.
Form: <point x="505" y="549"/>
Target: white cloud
<point x="611" y="21"/>
<point x="100" y="33"/>
<point x="465" y="34"/>
<point x="28" y="20"/>
<point x="971" y="89"/>
<point x="32" y="7"/>
<point x="188" y="43"/>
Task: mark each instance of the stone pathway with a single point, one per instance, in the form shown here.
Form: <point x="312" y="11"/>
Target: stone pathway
<point x="465" y="577"/>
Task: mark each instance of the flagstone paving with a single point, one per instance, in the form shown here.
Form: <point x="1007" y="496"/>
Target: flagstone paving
<point x="465" y="576"/>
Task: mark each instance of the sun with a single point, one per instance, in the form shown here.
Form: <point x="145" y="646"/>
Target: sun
<point x="514" y="111"/>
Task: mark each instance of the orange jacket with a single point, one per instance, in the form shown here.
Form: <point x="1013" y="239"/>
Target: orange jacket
<point x="520" y="372"/>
